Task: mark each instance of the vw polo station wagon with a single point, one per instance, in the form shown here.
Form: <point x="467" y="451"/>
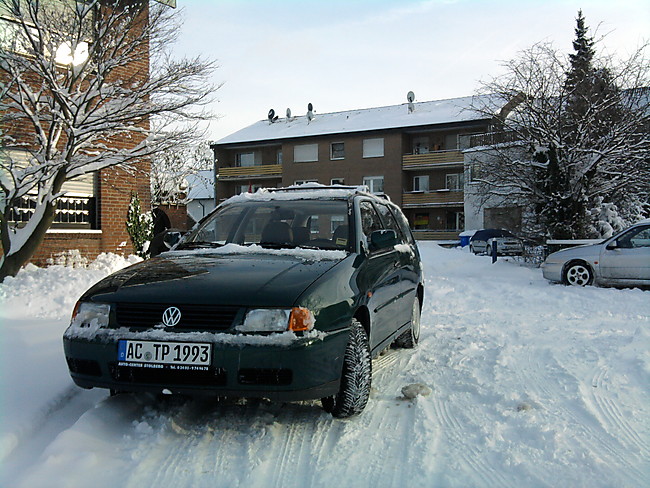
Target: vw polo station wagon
<point x="284" y="294"/>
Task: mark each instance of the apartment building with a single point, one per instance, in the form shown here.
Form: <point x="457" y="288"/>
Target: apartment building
<point x="412" y="152"/>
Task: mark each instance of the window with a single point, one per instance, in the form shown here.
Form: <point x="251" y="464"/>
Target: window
<point x="455" y="181"/>
<point x="474" y="170"/>
<point x="76" y="209"/>
<point x="375" y="184"/>
<point x="421" y="221"/>
<point x="373" y="148"/>
<point x="248" y="188"/>
<point x="389" y="220"/>
<point x="305" y="153"/>
<point x="420" y="145"/>
<point x="455" y="221"/>
<point x="337" y="220"/>
<point x="337" y="150"/>
<point x="451" y="141"/>
<point x="278" y="159"/>
<point x="370" y="220"/>
<point x="421" y="183"/>
<point x="337" y="181"/>
<point x="245" y="159"/>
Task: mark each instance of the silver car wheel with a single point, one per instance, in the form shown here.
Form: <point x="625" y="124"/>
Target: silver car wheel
<point x="578" y="274"/>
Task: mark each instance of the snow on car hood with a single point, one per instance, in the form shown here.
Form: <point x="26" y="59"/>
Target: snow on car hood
<point x="251" y="279"/>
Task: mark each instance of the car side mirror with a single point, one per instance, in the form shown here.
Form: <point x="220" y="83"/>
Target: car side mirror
<point x="382" y="239"/>
<point x="171" y="238"/>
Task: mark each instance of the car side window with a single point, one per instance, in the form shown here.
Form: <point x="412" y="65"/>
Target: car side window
<point x="404" y="226"/>
<point x="639" y="237"/>
<point x="389" y="221"/>
<point x="370" y="220"/>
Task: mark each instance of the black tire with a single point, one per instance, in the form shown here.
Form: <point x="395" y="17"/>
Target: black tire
<point x="471" y="249"/>
<point x="488" y="250"/>
<point x="578" y="273"/>
<point x="356" y="377"/>
<point x="410" y="338"/>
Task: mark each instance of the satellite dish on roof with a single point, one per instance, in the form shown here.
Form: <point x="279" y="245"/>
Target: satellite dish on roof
<point x="410" y="96"/>
<point x="288" y="113"/>
<point x="310" y="112"/>
<point x="272" y="116"/>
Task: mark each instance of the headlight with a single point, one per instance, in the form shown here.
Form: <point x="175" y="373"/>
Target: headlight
<point x="91" y="315"/>
<point x="277" y="320"/>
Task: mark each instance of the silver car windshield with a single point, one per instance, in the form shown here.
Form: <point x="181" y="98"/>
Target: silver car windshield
<point x="315" y="224"/>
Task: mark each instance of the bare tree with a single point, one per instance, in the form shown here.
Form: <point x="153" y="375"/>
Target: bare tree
<point x="77" y="77"/>
<point x="571" y="141"/>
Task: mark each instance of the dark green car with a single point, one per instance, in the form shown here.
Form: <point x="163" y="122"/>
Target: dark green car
<point x="282" y="294"/>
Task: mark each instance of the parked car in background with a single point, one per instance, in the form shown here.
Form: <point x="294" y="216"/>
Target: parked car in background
<point x="507" y="244"/>
<point x="283" y="294"/>
<point x="622" y="260"/>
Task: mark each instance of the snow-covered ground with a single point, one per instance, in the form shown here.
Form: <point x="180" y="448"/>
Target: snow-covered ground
<point x="532" y="384"/>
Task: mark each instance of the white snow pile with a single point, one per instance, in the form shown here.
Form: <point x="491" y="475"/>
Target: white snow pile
<point x="516" y="382"/>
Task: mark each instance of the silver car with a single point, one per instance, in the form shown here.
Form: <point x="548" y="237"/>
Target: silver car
<point x="621" y="260"/>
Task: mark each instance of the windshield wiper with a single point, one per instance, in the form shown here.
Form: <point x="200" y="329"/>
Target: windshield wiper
<point x="278" y="245"/>
<point x="199" y="245"/>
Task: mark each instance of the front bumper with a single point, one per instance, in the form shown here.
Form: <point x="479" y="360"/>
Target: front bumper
<point x="305" y="368"/>
<point x="552" y="271"/>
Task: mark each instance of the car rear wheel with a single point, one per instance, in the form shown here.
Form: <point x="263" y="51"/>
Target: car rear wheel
<point x="356" y="377"/>
<point x="410" y="338"/>
<point x="578" y="274"/>
<point x="488" y="250"/>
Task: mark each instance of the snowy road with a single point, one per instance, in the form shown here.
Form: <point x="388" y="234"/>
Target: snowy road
<point x="532" y="385"/>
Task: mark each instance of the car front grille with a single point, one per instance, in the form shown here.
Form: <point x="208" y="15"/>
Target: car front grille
<point x="208" y="317"/>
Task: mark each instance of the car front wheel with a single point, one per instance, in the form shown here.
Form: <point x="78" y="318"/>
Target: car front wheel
<point x="356" y="377"/>
<point x="578" y="274"/>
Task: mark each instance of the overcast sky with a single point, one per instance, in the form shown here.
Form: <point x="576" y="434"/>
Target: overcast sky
<point x="346" y="54"/>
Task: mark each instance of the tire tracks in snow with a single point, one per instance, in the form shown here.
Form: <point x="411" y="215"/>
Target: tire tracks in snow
<point x="605" y="445"/>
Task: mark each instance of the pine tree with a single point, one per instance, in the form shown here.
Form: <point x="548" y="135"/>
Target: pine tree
<point x="139" y="226"/>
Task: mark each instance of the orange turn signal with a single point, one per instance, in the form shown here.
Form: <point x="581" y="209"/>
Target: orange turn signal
<point x="301" y="319"/>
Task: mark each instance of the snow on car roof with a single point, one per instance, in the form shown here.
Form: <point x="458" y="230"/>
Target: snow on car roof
<point x="360" y="120"/>
<point x="306" y="191"/>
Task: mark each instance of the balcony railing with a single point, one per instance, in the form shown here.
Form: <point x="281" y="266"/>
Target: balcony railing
<point x="433" y="199"/>
<point x="492" y="138"/>
<point x="436" y="235"/>
<point x="432" y="159"/>
<point x="263" y="171"/>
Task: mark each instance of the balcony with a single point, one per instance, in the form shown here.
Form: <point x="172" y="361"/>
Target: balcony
<point x="264" y="171"/>
<point x="435" y="159"/>
<point x="443" y="198"/>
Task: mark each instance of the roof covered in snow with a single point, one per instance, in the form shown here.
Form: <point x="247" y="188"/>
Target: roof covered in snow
<point x="200" y="185"/>
<point x="452" y="110"/>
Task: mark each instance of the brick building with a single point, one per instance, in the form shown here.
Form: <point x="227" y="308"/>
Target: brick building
<point x="91" y="215"/>
<point x="411" y="152"/>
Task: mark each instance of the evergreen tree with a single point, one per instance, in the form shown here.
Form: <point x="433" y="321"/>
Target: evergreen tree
<point x="139" y="226"/>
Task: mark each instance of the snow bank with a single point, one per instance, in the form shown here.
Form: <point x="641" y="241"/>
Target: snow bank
<point x="36" y="308"/>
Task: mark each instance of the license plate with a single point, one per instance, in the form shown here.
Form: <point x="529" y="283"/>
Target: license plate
<point x="150" y="352"/>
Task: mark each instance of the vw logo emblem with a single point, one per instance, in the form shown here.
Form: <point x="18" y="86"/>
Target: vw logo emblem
<point x="171" y="316"/>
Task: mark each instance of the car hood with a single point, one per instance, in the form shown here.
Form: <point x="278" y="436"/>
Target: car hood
<point x="587" y="251"/>
<point x="245" y="280"/>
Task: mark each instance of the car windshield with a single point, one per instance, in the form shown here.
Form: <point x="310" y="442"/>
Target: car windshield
<point x="275" y="224"/>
